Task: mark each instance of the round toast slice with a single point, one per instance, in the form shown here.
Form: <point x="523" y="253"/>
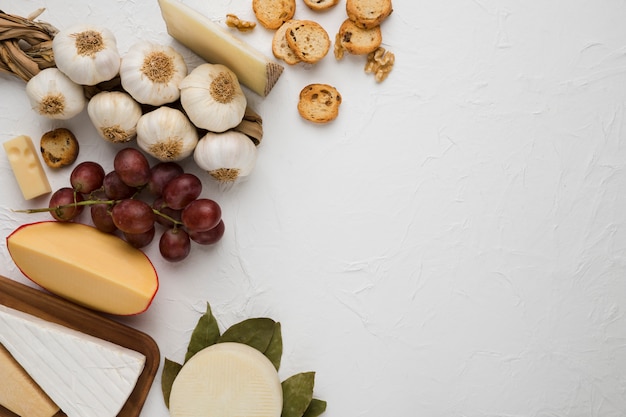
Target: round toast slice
<point x="319" y="103"/>
<point x="308" y="40"/>
<point x="368" y="13"/>
<point x="357" y="40"/>
<point x="273" y="13"/>
<point x="280" y="46"/>
<point x="319" y="5"/>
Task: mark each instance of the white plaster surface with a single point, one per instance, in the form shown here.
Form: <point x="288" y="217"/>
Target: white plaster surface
<point x="454" y="244"/>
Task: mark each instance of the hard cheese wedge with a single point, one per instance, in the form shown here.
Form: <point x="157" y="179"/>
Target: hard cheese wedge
<point x="227" y="380"/>
<point x="26" y="166"/>
<point x="19" y="393"/>
<point x="83" y="265"/>
<point x="85" y="376"/>
<point x="217" y="46"/>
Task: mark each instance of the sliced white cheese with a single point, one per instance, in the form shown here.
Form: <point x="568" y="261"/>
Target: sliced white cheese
<point x="227" y="380"/>
<point x="19" y="393"/>
<point x="84" y="375"/>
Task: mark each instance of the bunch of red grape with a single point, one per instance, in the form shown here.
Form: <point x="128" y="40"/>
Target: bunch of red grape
<point x="134" y="197"/>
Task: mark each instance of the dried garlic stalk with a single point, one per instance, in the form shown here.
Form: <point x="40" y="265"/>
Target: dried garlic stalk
<point x="380" y="63"/>
<point x="25" y="45"/>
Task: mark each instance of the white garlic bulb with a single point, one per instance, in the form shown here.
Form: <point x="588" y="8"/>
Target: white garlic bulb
<point x="226" y="156"/>
<point x="152" y="73"/>
<point x="52" y="94"/>
<point x="87" y="54"/>
<point x="212" y="97"/>
<point x="114" y="114"/>
<point x="166" y="134"/>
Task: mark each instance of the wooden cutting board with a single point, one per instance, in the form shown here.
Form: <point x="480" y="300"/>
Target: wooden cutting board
<point x="57" y="310"/>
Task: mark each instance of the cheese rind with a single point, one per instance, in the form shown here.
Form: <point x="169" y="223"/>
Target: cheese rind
<point x="227" y="380"/>
<point x="19" y="393"/>
<point x="216" y="45"/>
<point x="27" y="167"/>
<point x="88" y="267"/>
<point x="84" y="375"/>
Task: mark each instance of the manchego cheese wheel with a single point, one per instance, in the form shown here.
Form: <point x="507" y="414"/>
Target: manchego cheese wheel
<point x="227" y="379"/>
<point x="84" y="265"/>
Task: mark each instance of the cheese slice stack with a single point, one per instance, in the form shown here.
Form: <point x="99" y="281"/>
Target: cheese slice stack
<point x="83" y="375"/>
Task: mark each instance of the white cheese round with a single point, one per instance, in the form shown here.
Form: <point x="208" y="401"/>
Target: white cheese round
<point x="227" y="380"/>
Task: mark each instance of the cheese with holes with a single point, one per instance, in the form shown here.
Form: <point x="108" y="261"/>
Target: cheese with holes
<point x="88" y="267"/>
<point x="26" y="166"/>
<point x="227" y="380"/>
<point x="216" y="45"/>
<point x="19" y="393"/>
<point x="84" y="375"/>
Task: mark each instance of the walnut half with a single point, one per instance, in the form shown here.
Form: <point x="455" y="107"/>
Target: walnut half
<point x="380" y="63"/>
<point x="241" y="25"/>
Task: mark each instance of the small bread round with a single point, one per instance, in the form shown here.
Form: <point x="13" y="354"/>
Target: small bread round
<point x="280" y="46"/>
<point x="357" y="40"/>
<point x="319" y="5"/>
<point x="308" y="40"/>
<point x="273" y="13"/>
<point x="368" y="13"/>
<point x="319" y="103"/>
<point x="59" y="148"/>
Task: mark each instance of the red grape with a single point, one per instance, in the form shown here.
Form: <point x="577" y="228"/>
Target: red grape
<point x="201" y="215"/>
<point x="67" y="198"/>
<point x="208" y="237"/>
<point x="132" y="166"/>
<point x="115" y="188"/>
<point x="133" y="216"/>
<point x="101" y="218"/>
<point x="174" y="245"/>
<point x="87" y="177"/>
<point x="182" y="190"/>
<point x="140" y="240"/>
<point x="159" y="205"/>
<point x="161" y="174"/>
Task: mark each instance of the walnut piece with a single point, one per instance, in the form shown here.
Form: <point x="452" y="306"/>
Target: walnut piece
<point x="241" y="25"/>
<point x="339" y="49"/>
<point x="380" y="63"/>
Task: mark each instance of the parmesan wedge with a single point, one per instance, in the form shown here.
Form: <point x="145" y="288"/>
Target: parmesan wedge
<point x="216" y="45"/>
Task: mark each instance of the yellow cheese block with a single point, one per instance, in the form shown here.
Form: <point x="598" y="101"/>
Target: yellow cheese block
<point x="26" y="166"/>
<point x="216" y="45"/>
<point x="81" y="264"/>
<point x="19" y="393"/>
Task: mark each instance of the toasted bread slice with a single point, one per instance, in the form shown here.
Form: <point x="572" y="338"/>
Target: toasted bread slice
<point x="357" y="40"/>
<point x="273" y="13"/>
<point x="368" y="13"/>
<point x="280" y="47"/>
<point x="319" y="103"/>
<point x="308" y="40"/>
<point x="59" y="147"/>
<point x="319" y="5"/>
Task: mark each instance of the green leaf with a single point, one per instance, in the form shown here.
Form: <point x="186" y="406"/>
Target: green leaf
<point x="170" y="372"/>
<point x="274" y="350"/>
<point x="206" y="333"/>
<point x="255" y="332"/>
<point x="297" y="394"/>
<point x="316" y="408"/>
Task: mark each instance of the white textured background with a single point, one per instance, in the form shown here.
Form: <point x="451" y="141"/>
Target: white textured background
<point x="454" y="244"/>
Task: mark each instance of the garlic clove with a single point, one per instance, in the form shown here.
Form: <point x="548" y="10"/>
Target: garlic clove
<point x="166" y="134"/>
<point x="87" y="54"/>
<point x="227" y="156"/>
<point x="152" y="73"/>
<point x="114" y="114"/>
<point x="53" y="95"/>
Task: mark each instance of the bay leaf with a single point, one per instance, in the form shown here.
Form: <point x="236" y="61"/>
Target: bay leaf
<point x="206" y="333"/>
<point x="169" y="374"/>
<point x="315" y="409"/>
<point x="274" y="351"/>
<point x="255" y="332"/>
<point x="297" y="394"/>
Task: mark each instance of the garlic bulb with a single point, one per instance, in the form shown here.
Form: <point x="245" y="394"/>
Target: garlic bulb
<point x="152" y="73"/>
<point x="114" y="114"/>
<point x="87" y="54"/>
<point x="212" y="97"/>
<point x="166" y="134"/>
<point x="54" y="95"/>
<point x="226" y="156"/>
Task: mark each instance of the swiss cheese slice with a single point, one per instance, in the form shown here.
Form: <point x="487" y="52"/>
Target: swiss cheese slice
<point x="19" y="393"/>
<point x="84" y="375"/>
<point x="26" y="166"/>
<point x="227" y="380"/>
